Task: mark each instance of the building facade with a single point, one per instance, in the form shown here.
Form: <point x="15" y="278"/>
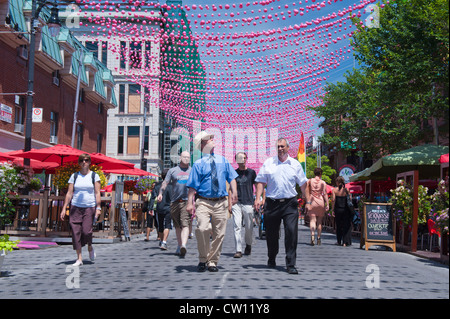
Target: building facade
<point x="57" y="68"/>
<point x="134" y="126"/>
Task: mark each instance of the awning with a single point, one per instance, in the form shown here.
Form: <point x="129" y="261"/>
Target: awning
<point x="424" y="158"/>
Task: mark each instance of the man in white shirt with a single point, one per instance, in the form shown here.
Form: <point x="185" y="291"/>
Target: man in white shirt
<point x="280" y="174"/>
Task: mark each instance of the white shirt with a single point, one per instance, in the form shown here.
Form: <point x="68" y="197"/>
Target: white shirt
<point x="281" y="177"/>
<point x="84" y="194"/>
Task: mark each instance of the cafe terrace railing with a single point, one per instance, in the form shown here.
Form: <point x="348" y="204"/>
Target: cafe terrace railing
<point x="44" y="220"/>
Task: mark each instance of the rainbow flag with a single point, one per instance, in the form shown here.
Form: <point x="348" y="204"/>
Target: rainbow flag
<point x="301" y="155"/>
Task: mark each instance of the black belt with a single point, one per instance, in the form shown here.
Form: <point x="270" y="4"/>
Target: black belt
<point x="280" y="200"/>
<point x="212" y="198"/>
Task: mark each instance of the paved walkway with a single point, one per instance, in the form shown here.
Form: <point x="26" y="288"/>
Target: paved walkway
<point x="139" y="269"/>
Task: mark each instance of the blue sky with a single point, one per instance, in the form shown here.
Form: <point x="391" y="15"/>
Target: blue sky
<point x="276" y="10"/>
<point x="267" y="61"/>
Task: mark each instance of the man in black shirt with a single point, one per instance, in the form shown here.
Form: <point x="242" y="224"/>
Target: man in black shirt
<point x="242" y="211"/>
<point x="162" y="211"/>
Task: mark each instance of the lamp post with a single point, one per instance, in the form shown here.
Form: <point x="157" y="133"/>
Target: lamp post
<point x="53" y="25"/>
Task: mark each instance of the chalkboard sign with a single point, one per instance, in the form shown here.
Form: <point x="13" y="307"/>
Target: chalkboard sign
<point x="378" y="226"/>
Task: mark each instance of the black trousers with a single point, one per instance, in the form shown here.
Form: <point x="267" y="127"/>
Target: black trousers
<point x="276" y="211"/>
<point x="343" y="220"/>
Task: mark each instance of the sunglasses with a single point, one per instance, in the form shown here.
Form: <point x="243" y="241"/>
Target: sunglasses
<point x="84" y="161"/>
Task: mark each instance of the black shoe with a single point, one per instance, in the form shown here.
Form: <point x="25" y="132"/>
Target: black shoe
<point x="201" y="267"/>
<point x="248" y="250"/>
<point x="271" y="264"/>
<point x="292" y="270"/>
<point x="213" y="269"/>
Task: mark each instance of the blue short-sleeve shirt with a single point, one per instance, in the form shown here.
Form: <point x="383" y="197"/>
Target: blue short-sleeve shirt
<point x="200" y="175"/>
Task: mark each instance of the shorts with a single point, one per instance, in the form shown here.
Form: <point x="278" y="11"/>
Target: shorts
<point x="164" y="221"/>
<point x="149" y="220"/>
<point x="180" y="216"/>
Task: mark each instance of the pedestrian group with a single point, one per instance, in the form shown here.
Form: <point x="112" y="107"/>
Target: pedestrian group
<point x="211" y="189"/>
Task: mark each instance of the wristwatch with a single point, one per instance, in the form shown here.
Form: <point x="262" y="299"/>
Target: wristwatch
<point x="98" y="208"/>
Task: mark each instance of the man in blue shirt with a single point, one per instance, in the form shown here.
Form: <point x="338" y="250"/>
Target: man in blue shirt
<point x="208" y="179"/>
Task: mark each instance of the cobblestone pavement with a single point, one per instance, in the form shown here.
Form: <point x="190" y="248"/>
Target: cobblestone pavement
<point x="139" y="269"/>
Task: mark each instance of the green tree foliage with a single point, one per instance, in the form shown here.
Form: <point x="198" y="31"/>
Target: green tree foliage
<point x="311" y="164"/>
<point x="388" y="104"/>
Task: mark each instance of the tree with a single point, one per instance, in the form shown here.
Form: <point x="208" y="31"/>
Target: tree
<point x="311" y="164"/>
<point x="402" y="84"/>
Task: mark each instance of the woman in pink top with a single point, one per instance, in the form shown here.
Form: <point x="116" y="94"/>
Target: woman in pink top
<point x="317" y="203"/>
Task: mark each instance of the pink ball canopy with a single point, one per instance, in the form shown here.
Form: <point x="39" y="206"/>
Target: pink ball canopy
<point x="247" y="71"/>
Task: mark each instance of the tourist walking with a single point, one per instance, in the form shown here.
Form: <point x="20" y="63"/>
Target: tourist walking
<point x="208" y="179"/>
<point x="316" y="203"/>
<point x="84" y="196"/>
<point x="341" y="212"/>
<point x="162" y="211"/>
<point x="242" y="211"/>
<point x="281" y="173"/>
<point x="150" y="213"/>
<point x="177" y="178"/>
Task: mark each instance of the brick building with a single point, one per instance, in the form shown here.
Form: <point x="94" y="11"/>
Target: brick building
<point x="55" y="83"/>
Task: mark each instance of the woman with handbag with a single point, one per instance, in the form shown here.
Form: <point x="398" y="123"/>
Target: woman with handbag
<point x="317" y="203"/>
<point x="342" y="213"/>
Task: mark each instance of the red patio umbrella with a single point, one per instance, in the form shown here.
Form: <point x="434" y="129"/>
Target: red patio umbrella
<point x="59" y="154"/>
<point x="108" y="188"/>
<point x="355" y="187"/>
<point x="5" y="157"/>
<point x="107" y="162"/>
<point x="329" y="189"/>
<point x="36" y="165"/>
<point x="131" y="171"/>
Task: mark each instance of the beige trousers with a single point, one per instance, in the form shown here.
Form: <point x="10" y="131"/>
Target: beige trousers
<point x="211" y="220"/>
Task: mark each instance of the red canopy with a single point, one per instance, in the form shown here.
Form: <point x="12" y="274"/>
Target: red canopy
<point x="130" y="171"/>
<point x="59" y="154"/>
<point x="355" y="187"/>
<point x="37" y="166"/>
<point x="107" y="162"/>
<point x="4" y="157"/>
<point x="329" y="189"/>
<point x="443" y="158"/>
<point x="108" y="188"/>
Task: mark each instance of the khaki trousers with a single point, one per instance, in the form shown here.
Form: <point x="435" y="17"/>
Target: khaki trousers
<point x="211" y="220"/>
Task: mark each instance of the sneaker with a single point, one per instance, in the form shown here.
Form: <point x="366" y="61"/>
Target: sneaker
<point x="248" y="250"/>
<point x="92" y="255"/>
<point x="237" y="255"/>
<point x="177" y="252"/>
<point x="182" y="251"/>
<point x="163" y="246"/>
<point x="77" y="263"/>
<point x="292" y="270"/>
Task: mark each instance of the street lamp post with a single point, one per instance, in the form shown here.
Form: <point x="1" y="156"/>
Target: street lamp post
<point x="54" y="25"/>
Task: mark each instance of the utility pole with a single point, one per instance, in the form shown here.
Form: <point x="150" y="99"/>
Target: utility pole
<point x="77" y="99"/>
<point x="143" y="159"/>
